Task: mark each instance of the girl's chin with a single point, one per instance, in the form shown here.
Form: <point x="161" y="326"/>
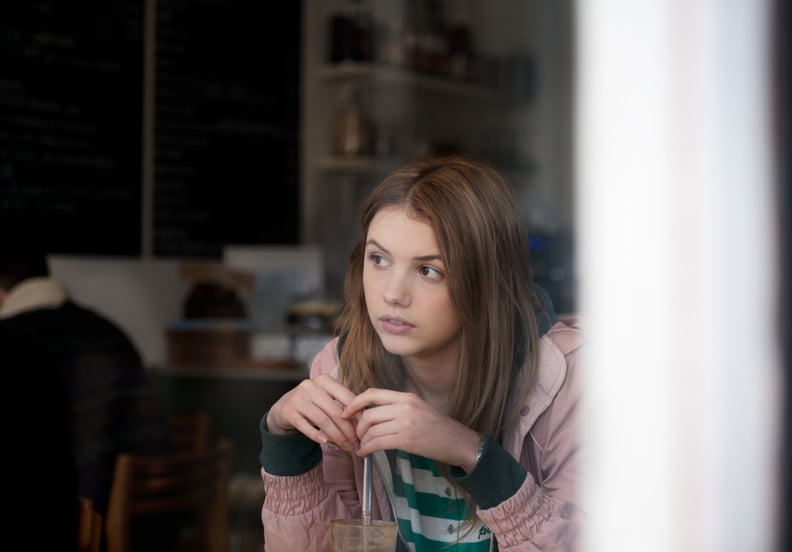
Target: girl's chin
<point x="396" y="346"/>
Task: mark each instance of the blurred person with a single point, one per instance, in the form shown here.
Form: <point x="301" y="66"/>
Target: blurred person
<point x="449" y="367"/>
<point x="104" y="402"/>
<point x="39" y="454"/>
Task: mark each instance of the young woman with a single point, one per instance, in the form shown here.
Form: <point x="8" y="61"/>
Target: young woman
<point x="450" y="369"/>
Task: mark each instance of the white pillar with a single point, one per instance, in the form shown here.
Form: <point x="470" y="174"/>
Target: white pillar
<point x="678" y="276"/>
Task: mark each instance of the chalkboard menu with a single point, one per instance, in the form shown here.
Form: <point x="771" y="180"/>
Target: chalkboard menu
<point x="226" y="100"/>
<point x="226" y="124"/>
<point x="70" y="124"/>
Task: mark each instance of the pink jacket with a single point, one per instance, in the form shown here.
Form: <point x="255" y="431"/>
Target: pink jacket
<point x="541" y="516"/>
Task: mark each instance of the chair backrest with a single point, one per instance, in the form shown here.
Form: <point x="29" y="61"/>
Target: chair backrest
<point x="89" y="526"/>
<point x="190" y="432"/>
<point x="189" y="483"/>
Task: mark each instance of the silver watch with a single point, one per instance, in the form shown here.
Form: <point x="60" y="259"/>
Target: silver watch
<point x="482" y="443"/>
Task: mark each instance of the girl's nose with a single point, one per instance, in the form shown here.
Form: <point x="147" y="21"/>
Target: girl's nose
<point x="397" y="290"/>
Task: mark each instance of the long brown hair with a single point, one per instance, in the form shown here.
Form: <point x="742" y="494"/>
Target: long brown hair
<point x="474" y="215"/>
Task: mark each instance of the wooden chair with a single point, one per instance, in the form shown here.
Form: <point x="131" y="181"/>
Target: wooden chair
<point x="189" y="483"/>
<point x="89" y="522"/>
<point x="190" y="432"/>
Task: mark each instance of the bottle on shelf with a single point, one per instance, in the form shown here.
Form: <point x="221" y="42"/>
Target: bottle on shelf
<point x="460" y="40"/>
<point x="342" y="37"/>
<point x="352" y="33"/>
<point x="350" y="128"/>
<point x="389" y="35"/>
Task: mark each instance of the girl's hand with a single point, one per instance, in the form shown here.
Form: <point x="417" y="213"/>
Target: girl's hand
<point x="395" y="420"/>
<point x="314" y="409"/>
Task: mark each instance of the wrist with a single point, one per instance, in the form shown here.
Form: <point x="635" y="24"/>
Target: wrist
<point x="273" y="427"/>
<point x="477" y="440"/>
<point x="482" y="444"/>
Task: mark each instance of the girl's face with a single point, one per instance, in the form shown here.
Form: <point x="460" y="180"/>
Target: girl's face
<point x="406" y="289"/>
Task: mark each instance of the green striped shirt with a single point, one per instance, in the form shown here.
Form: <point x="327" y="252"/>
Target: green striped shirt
<point x="429" y="510"/>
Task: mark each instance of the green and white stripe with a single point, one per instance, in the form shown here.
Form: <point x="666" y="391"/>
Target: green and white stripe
<point x="429" y="510"/>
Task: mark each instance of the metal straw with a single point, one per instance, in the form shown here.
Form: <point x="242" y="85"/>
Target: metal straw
<point x="367" y="490"/>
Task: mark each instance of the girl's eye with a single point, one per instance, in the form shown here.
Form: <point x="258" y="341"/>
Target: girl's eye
<point x="431" y="273"/>
<point x="377" y="259"/>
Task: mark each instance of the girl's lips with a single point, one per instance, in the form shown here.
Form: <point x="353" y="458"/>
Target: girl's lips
<point x="395" y="325"/>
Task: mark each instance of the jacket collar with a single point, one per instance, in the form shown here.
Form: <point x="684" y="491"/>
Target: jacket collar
<point x="33" y="294"/>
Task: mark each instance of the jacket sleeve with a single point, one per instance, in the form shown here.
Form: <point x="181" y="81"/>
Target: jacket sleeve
<point x="297" y="511"/>
<point x="298" y="507"/>
<point x="544" y="514"/>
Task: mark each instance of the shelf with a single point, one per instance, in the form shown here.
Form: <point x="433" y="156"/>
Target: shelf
<point x="235" y="372"/>
<point x="515" y="165"/>
<point x="360" y="164"/>
<point x="378" y="74"/>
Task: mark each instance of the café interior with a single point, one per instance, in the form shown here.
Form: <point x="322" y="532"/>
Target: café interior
<point x="234" y="142"/>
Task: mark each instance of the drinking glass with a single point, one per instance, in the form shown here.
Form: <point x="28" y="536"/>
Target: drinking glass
<point x="353" y="535"/>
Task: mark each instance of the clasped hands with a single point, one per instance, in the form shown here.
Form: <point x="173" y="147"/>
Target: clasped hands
<point x="325" y="411"/>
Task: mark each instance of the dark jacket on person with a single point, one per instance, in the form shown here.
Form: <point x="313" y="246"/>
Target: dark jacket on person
<point x="112" y="404"/>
